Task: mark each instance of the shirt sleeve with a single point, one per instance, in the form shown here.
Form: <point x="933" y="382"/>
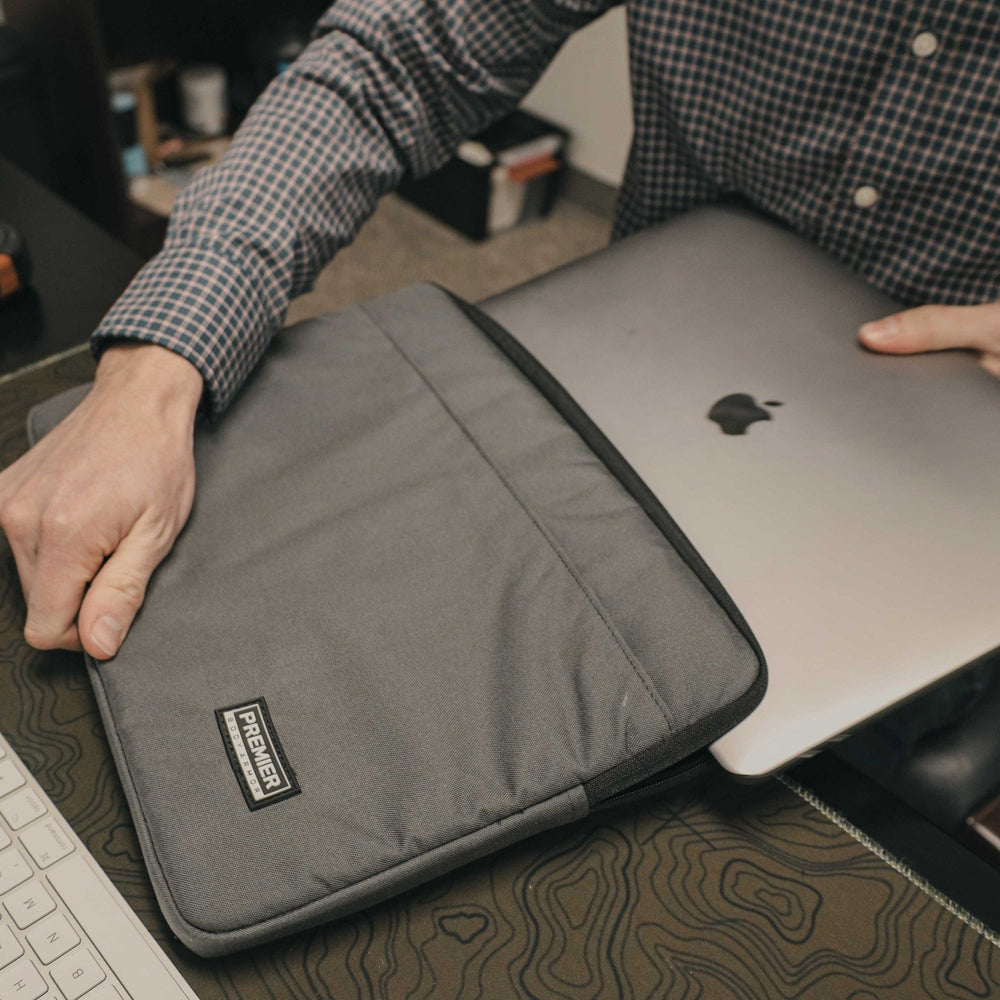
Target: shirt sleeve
<point x="385" y="88"/>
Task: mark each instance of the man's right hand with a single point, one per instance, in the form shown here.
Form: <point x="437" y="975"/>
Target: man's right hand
<point x="94" y="507"/>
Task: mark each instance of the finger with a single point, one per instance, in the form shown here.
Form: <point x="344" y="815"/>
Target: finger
<point x="20" y="516"/>
<point x="56" y="583"/>
<point x="117" y="593"/>
<point x="991" y="362"/>
<point x="20" y="526"/>
<point x="69" y="639"/>
<point x="935" y="328"/>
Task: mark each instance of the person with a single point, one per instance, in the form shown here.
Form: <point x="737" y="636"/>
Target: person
<point x="873" y="128"/>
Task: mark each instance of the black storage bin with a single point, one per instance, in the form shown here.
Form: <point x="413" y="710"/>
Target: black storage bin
<point x="502" y="177"/>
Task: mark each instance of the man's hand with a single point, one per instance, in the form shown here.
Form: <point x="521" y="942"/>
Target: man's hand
<point x="94" y="507"/>
<point x="936" y="328"/>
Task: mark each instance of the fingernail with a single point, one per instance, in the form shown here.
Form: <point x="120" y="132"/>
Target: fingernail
<point x="107" y="635"/>
<point x="881" y="331"/>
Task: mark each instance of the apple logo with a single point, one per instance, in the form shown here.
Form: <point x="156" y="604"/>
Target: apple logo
<point x="736" y="412"/>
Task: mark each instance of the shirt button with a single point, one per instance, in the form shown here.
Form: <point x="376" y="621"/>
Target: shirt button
<point x="865" y="196"/>
<point x="924" y="45"/>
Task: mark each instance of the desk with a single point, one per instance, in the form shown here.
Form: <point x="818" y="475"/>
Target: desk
<point x="720" y="891"/>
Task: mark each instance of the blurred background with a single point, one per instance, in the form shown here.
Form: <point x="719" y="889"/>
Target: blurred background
<point x="114" y="104"/>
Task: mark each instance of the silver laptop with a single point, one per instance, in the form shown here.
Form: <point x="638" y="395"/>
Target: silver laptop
<point x="854" y="519"/>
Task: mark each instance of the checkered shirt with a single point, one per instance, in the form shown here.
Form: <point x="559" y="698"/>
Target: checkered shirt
<point x="870" y="126"/>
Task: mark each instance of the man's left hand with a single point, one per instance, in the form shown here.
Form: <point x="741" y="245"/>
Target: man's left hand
<point x="937" y="328"/>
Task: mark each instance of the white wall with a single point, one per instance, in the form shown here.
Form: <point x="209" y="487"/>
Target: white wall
<point x="586" y="90"/>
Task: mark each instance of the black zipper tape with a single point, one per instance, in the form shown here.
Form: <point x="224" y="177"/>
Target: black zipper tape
<point x="682" y="774"/>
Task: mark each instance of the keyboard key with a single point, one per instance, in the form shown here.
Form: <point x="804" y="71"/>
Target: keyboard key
<point x="76" y="973"/>
<point x="52" y="938"/>
<point x="4" y="839"/>
<point x="10" y="777"/>
<point x="105" y="992"/>
<point x="46" y="842"/>
<point x="27" y="903"/>
<point x="21" y="981"/>
<point x="142" y="971"/>
<point x="21" y="808"/>
<point x="13" y="870"/>
<point x="10" y="947"/>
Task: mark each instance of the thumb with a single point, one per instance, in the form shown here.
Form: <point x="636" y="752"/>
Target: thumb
<point x="935" y="328"/>
<point x="116" y="594"/>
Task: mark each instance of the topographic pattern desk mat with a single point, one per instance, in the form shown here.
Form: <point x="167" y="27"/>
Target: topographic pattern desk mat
<point x="721" y="892"/>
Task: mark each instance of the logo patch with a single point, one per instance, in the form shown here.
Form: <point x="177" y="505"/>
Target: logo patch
<point x="255" y="753"/>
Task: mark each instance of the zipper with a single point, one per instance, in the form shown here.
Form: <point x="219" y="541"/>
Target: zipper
<point x="680" y="774"/>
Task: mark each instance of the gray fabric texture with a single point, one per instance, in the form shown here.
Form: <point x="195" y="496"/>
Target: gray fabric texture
<point x="456" y="614"/>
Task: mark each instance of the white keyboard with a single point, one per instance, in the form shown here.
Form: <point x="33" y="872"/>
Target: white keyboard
<point x="65" y="931"/>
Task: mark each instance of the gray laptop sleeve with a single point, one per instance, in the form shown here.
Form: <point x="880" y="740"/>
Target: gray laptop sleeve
<point x="422" y="610"/>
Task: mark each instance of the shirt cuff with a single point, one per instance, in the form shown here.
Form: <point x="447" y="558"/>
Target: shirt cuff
<point x="195" y="300"/>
